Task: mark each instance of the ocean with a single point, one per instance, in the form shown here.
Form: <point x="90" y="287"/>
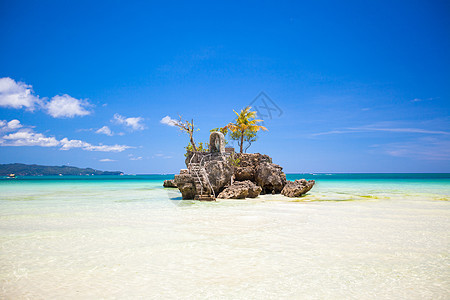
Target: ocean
<point x="353" y="236"/>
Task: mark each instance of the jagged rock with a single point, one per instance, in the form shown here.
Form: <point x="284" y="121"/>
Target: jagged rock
<point x="240" y="190"/>
<point x="247" y="165"/>
<point x="260" y="169"/>
<point x="221" y="170"/>
<point x="297" y="188"/>
<point x="219" y="174"/>
<point x="185" y="183"/>
<point x="270" y="177"/>
<point x="169" y="183"/>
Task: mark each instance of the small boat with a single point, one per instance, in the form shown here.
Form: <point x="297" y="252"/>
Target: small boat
<point x="12" y="175"/>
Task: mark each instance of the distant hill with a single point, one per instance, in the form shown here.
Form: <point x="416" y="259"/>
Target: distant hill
<point x="36" y="170"/>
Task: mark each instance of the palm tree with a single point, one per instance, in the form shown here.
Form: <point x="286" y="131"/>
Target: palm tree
<point x="245" y="122"/>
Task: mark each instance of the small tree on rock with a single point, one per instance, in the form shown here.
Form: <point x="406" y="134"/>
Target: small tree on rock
<point x="187" y="127"/>
<point x="245" y="127"/>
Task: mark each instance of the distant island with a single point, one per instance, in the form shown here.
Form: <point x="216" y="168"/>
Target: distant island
<point x="38" y="170"/>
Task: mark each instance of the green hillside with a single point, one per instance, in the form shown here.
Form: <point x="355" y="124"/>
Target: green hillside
<point x="36" y="170"/>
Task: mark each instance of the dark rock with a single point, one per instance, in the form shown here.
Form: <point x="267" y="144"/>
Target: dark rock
<point x="270" y="177"/>
<point x="240" y="190"/>
<point x="260" y="169"/>
<point x="169" y="183"/>
<point x="297" y="188"/>
<point x="185" y="183"/>
<point x="222" y="169"/>
<point x="219" y="174"/>
<point x="248" y="163"/>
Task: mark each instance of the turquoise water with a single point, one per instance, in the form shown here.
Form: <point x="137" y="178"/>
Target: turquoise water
<point x="361" y="236"/>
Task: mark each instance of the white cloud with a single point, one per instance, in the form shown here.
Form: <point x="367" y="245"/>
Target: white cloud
<point x="384" y="129"/>
<point x="426" y="99"/>
<point x="134" y="123"/>
<point x="421" y="149"/>
<point x="132" y="157"/>
<point x="161" y="156"/>
<point x="27" y="137"/>
<point x="168" y="121"/>
<point x="104" y="130"/>
<point x="70" y="144"/>
<point x="66" y="106"/>
<point x="136" y="158"/>
<point x="106" y="148"/>
<point x="17" y="94"/>
<point x="14" y="124"/>
<point x="14" y="94"/>
<point x="106" y="160"/>
<point x="10" y="126"/>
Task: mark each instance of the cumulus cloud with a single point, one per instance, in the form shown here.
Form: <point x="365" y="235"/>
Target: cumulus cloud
<point x="27" y="137"/>
<point x="168" y="121"/>
<point x="104" y="130"/>
<point x="66" y="106"/>
<point x="70" y="144"/>
<point x="9" y="126"/>
<point x="15" y="94"/>
<point x="107" y="160"/>
<point x="133" y="123"/>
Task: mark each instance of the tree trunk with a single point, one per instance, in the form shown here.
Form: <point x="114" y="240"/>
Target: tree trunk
<point x="242" y="142"/>
<point x="193" y="143"/>
<point x="191" y="136"/>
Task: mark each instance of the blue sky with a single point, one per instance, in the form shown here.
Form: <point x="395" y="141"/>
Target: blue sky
<point x="361" y="86"/>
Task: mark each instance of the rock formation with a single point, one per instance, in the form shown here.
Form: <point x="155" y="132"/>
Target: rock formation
<point x="185" y="183"/>
<point x="169" y="183"/>
<point x="224" y="174"/>
<point x="260" y="169"/>
<point x="241" y="190"/>
<point x="297" y="188"/>
<point x="218" y="171"/>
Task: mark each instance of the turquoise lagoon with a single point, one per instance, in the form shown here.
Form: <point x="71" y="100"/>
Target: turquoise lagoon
<point x="354" y="236"/>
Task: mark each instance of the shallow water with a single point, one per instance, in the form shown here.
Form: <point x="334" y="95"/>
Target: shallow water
<point x="127" y="237"/>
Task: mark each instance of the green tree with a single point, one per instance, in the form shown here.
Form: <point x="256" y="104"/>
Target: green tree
<point x="245" y="127"/>
<point x="249" y="138"/>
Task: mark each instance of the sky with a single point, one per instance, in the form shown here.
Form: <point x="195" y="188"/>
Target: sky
<point x="342" y="86"/>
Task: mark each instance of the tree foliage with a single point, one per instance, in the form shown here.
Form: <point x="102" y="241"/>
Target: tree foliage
<point x="202" y="147"/>
<point x="245" y="128"/>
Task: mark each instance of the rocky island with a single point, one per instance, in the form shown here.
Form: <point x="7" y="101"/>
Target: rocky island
<point x="221" y="173"/>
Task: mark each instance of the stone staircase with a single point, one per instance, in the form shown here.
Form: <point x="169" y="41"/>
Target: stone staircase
<point x="198" y="172"/>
